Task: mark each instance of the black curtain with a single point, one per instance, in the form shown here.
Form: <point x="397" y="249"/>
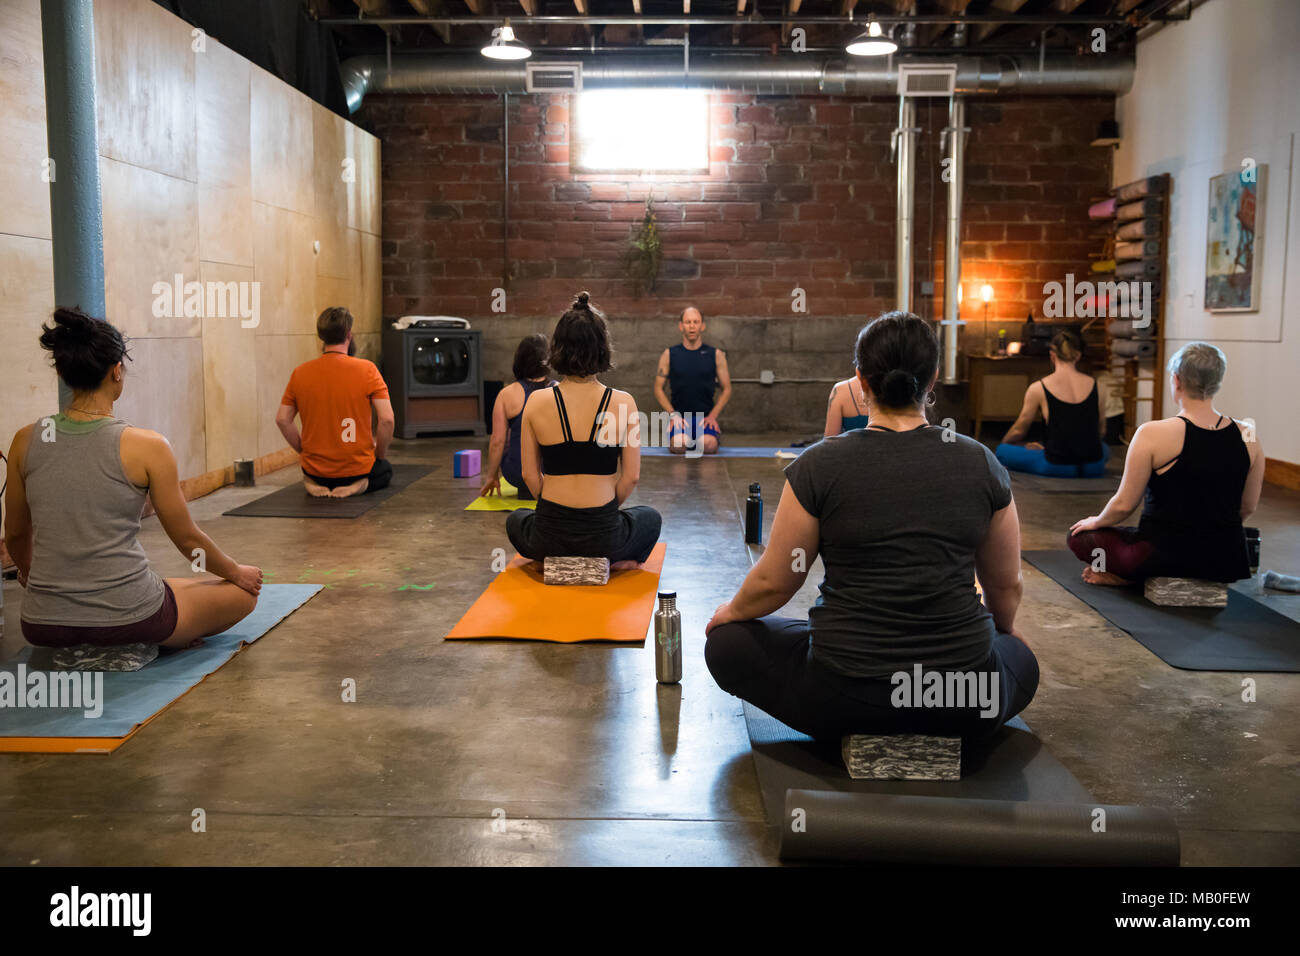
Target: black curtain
<point x="277" y="35"/>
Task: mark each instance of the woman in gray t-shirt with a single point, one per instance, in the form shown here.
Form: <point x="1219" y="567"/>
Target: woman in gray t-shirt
<point x="905" y="516"/>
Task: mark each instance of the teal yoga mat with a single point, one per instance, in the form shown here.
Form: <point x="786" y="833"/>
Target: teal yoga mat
<point x="131" y="698"/>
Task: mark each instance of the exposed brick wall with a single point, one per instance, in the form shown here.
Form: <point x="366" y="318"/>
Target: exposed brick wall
<point x="800" y="191"/>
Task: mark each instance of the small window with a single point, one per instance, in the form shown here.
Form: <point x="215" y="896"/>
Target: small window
<point x="641" y="131"/>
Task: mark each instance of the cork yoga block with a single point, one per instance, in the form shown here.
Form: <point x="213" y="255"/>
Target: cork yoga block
<point x="575" y="571"/>
<point x="901" y="757"/>
<point x="1186" y="592"/>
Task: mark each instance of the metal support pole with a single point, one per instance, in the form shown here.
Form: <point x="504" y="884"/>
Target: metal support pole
<point x="68" y="41"/>
<point x="956" y="138"/>
<point x="906" y="157"/>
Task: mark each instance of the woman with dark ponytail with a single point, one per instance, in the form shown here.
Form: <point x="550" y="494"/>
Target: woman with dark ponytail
<point x="77" y="487"/>
<point x="580" y="484"/>
<point x="906" y="516"/>
<point x="1072" y="405"/>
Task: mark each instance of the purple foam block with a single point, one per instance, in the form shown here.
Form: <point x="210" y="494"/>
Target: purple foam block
<point x="467" y="463"/>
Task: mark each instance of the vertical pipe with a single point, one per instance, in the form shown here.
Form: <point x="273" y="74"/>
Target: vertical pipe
<point x="905" y="199"/>
<point x="505" y="190"/>
<point x="68" y="43"/>
<point x="956" y="134"/>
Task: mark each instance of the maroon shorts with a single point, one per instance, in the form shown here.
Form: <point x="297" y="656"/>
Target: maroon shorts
<point x="152" y="630"/>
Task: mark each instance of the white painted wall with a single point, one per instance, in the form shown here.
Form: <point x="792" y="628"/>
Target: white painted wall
<point x="1209" y="93"/>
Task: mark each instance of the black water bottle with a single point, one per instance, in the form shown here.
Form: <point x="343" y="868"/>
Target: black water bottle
<point x="1252" y="548"/>
<point x="754" y="515"/>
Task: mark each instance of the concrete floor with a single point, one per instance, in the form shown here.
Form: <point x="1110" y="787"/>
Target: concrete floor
<point x="578" y="751"/>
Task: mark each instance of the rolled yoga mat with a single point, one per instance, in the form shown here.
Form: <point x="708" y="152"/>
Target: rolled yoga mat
<point x="133" y="698"/>
<point x="1128" y="329"/>
<point x="1151" y="186"/>
<point x="1139" y="249"/>
<point x="1102" y="210"/>
<point x="1140" y="229"/>
<point x="1142" y="209"/>
<point x="1244" y="636"/>
<point x="1138" y="268"/>
<point x="656" y="451"/>
<point x="884" y="828"/>
<point x="1133" y="348"/>
<point x="294" y="502"/>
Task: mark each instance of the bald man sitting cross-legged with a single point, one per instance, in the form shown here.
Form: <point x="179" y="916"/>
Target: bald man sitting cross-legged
<point x="693" y="372"/>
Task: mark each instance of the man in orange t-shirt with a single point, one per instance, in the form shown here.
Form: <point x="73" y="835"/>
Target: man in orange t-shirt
<point x="334" y="394"/>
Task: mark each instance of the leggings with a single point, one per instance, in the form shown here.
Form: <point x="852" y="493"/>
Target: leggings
<point x="1123" y="550"/>
<point x="516" y="478"/>
<point x="380" y="476"/>
<point x="1034" y="461"/>
<point x="620" y="534"/>
<point x="769" y="662"/>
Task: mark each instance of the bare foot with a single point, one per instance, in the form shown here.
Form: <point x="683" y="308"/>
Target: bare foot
<point x="624" y="565"/>
<point x="1105" y="578"/>
<point x="347" y="491"/>
<point x="315" y="490"/>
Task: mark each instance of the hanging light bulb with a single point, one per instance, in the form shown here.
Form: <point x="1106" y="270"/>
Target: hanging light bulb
<point x="504" y="46"/>
<point x="871" y="43"/>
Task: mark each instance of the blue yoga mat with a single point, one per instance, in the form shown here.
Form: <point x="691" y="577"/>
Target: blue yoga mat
<point x="130" y="698"/>
<point x="740" y="451"/>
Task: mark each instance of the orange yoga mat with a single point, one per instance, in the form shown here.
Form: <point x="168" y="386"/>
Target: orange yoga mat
<point x="518" y="605"/>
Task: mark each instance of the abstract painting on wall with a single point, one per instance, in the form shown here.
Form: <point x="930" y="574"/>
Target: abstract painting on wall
<point x="1232" y="244"/>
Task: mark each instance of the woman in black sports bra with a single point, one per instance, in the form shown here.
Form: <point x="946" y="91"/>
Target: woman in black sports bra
<point x="1200" y="474"/>
<point x="582" y="456"/>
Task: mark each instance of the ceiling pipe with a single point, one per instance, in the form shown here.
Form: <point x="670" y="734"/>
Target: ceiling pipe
<point x="787" y="74"/>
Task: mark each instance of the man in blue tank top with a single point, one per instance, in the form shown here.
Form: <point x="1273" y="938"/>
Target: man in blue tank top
<point x="693" y="373"/>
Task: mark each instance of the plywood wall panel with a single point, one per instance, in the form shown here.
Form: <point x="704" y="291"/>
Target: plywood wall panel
<point x="144" y="67"/>
<point x="164" y="391"/>
<point x="277" y="357"/>
<point x="332" y="292"/>
<point x="150" y="235"/>
<point x="24" y="196"/>
<point x="224" y="157"/>
<point x="28" y="387"/>
<point x="364" y="209"/>
<point x="340" y="249"/>
<point x="331" y="138"/>
<point x="281" y="135"/>
<point x="368" y="311"/>
<point x="229" y="378"/>
<point x="285" y="268"/>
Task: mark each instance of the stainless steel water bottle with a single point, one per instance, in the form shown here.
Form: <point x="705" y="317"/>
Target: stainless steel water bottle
<point x="754" y="515"/>
<point x="668" y="639"/>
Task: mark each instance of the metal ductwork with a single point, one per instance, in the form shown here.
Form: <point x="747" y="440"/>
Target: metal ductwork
<point x="788" y="74"/>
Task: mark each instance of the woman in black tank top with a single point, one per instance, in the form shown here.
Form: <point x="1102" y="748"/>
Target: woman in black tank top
<point x="1198" y="476"/>
<point x="580" y="350"/>
<point x="1073" y="447"/>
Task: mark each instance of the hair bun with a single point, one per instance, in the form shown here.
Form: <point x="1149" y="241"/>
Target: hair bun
<point x="898" y="389"/>
<point x="582" y="301"/>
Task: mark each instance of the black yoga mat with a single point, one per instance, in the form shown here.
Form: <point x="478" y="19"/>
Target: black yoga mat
<point x="294" y="502"/>
<point x="1244" y="636"/>
<point x="1013" y="765"/>
<point x="892" y="828"/>
<point x="1107" y="484"/>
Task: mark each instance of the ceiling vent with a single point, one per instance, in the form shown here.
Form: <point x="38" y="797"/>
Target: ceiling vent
<point x="930" y="79"/>
<point x="553" y="77"/>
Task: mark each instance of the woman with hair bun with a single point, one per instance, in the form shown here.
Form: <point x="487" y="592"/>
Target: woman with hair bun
<point x="580" y="484"/>
<point x="1073" y="407"/>
<point x="77" y="487"/>
<point x="905" y="517"/>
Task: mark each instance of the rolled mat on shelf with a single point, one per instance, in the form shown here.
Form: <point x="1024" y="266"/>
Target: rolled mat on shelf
<point x="1102" y="210"/>
<point x="1133" y="348"/>
<point x="1137" y="250"/>
<point x="1103" y="265"/>
<point x="1151" y="186"/>
<point x="1137" y="268"/>
<point x="891" y="828"/>
<point x="1142" y="209"/>
<point x="1128" y="329"/>
<point x="1139" y="229"/>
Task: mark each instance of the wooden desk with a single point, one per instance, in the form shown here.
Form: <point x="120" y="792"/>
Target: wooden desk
<point x="998" y="383"/>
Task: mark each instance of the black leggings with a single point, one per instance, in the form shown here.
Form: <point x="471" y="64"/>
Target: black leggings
<point x="627" y="534"/>
<point x="380" y="475"/>
<point x="769" y="663"/>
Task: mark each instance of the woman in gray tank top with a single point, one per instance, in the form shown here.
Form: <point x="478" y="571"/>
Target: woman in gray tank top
<point x="77" y="487"/>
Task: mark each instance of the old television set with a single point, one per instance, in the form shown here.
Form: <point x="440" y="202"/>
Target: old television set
<point x="433" y="366"/>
